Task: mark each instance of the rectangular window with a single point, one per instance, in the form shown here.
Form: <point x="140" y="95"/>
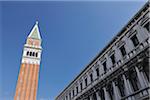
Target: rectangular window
<point x="111" y="93"/>
<point x="123" y="51"/>
<point x="66" y="97"/>
<point x="97" y="72"/>
<point x="147" y="26"/>
<point x="104" y="66"/>
<point x="95" y="97"/>
<point x="135" y="40"/>
<point x="102" y="95"/>
<point x="85" y="81"/>
<point x="134" y="84"/>
<point x="121" y="87"/>
<point x="70" y="96"/>
<point x="113" y="60"/>
<point x="73" y="93"/>
<point x="81" y="87"/>
<point x="27" y="53"/>
<point x="36" y="54"/>
<point x="91" y="77"/>
<point x="77" y="89"/>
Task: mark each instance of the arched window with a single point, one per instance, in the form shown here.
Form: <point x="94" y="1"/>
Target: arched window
<point x="27" y="53"/>
<point x="36" y="54"/>
<point x="30" y="53"/>
<point x="94" y="96"/>
<point x="121" y="86"/>
<point x="134" y="80"/>
<point x="33" y="54"/>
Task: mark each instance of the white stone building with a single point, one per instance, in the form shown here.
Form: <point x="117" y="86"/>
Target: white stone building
<point x="121" y="70"/>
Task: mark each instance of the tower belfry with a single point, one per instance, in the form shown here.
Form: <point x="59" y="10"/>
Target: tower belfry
<point x="27" y="84"/>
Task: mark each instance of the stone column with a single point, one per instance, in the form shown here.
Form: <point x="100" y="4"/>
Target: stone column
<point x="98" y="96"/>
<point x="140" y="78"/>
<point x="144" y="78"/>
<point x="128" y="88"/>
<point x="118" y="54"/>
<point x="91" y="98"/>
<point x="116" y="91"/>
<point x="129" y="45"/>
<point x="106" y="94"/>
<point x="143" y="33"/>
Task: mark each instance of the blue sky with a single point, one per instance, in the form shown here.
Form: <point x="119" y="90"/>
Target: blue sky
<point x="72" y="34"/>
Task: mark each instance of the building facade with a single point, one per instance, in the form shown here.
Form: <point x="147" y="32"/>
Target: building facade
<point x="27" y="84"/>
<point x="121" y="70"/>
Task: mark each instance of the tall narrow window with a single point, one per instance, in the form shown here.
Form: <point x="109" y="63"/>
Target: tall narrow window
<point x="91" y="77"/>
<point x="70" y="96"/>
<point x="94" y="96"/>
<point x="111" y="93"/>
<point x="123" y="51"/>
<point x="134" y="81"/>
<point x="104" y="66"/>
<point x="88" y="98"/>
<point x="135" y="40"/>
<point x="85" y="81"/>
<point x="77" y="89"/>
<point x="102" y="95"/>
<point x="121" y="87"/>
<point x="146" y="69"/>
<point x="81" y="86"/>
<point x="66" y="97"/>
<point x="97" y="72"/>
<point x="30" y="53"/>
<point x="33" y="54"/>
<point x="27" y="53"/>
<point x="147" y="26"/>
<point x="113" y="60"/>
<point x="73" y="93"/>
<point x="36" y="54"/>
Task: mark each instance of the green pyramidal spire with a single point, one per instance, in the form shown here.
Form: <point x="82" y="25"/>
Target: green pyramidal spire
<point x="35" y="34"/>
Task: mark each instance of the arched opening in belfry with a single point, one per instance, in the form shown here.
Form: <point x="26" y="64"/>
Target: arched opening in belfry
<point x="30" y="53"/>
<point x="37" y="54"/>
<point x="27" y="53"/>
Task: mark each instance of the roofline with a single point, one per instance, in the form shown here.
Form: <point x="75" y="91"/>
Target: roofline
<point x="109" y="43"/>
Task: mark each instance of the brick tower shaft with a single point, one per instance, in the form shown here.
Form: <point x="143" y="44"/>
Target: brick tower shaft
<point x="27" y="84"/>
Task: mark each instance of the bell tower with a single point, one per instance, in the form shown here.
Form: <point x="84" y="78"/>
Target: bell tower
<point x="27" y="84"/>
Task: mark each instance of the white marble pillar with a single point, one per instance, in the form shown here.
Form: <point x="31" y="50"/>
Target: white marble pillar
<point x="98" y="96"/>
<point x="128" y="88"/>
<point x="106" y="94"/>
<point x="140" y="78"/>
<point x="127" y="85"/>
<point x="129" y="47"/>
<point x="116" y="91"/>
<point x="142" y="33"/>
<point x="144" y="78"/>
<point x="91" y="97"/>
<point x="117" y="53"/>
